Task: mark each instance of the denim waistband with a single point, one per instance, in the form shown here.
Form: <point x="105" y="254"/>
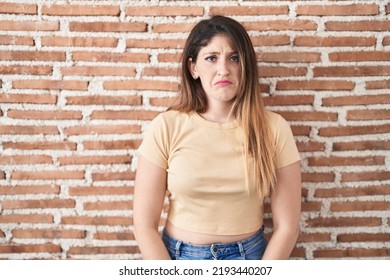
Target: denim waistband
<point x="215" y="249"/>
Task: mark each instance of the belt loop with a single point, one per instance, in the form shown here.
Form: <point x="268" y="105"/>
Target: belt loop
<point x="241" y="248"/>
<point x="177" y="249"/>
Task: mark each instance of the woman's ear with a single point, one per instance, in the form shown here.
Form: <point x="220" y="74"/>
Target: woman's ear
<point x="192" y="68"/>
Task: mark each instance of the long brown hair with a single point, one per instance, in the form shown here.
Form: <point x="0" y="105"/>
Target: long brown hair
<point x="248" y="108"/>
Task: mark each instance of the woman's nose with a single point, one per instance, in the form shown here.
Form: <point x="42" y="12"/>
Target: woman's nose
<point x="223" y="67"/>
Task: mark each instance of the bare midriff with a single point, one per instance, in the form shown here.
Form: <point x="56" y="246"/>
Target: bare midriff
<point x="201" y="238"/>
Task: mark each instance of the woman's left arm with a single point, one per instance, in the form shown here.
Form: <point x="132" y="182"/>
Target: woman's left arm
<point x="286" y="210"/>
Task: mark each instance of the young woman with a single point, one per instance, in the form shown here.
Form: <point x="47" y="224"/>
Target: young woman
<point x="217" y="154"/>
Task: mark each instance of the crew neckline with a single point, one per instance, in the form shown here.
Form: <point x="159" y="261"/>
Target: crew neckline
<point x="226" y="125"/>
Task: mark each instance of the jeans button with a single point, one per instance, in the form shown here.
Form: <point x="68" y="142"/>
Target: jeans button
<point x="215" y="249"/>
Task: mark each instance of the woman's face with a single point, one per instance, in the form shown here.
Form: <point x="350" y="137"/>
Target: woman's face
<point x="218" y="68"/>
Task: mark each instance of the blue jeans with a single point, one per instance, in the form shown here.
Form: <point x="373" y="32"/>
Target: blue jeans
<point x="251" y="248"/>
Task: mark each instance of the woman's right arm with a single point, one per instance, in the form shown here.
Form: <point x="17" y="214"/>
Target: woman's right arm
<point x="149" y="194"/>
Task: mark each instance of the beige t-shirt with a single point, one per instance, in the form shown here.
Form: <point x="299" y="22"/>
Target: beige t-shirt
<point x="206" y="171"/>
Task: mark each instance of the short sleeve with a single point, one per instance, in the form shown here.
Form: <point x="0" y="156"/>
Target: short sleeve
<point x="154" y="146"/>
<point x="286" y="149"/>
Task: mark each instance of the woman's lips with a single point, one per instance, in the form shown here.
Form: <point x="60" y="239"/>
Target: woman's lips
<point x="223" y="83"/>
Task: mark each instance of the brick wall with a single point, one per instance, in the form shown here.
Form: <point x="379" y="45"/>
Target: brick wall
<point x="80" y="80"/>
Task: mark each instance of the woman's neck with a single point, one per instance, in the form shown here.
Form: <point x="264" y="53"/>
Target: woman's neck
<point x="220" y="115"/>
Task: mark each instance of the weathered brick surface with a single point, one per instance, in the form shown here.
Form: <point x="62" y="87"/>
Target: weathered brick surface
<point x="80" y="82"/>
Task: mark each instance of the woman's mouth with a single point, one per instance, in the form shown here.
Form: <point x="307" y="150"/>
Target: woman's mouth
<point x="223" y="83"/>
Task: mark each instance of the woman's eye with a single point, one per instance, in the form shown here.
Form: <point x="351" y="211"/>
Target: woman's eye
<point x="235" y="58"/>
<point x="211" y="58"/>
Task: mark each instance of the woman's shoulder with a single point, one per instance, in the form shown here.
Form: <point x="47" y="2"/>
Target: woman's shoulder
<point x="274" y="118"/>
<point x="172" y="115"/>
<point x="170" y="118"/>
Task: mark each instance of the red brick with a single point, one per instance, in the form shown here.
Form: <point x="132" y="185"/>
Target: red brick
<point x="249" y="10"/>
<point x="337" y="71"/>
<point x="280" y="71"/>
<point x="279" y="25"/>
<point x="365" y="176"/>
<point x="124" y="115"/>
<point x="97" y="220"/>
<point x="158" y="43"/>
<point x="355" y="100"/>
<point x="29" y="248"/>
<point x="386" y="41"/>
<point x="101" y="235"/>
<point x="284" y="100"/>
<point x="29" y="189"/>
<point x="102" y="129"/>
<point x="113" y="176"/>
<point x="343" y="222"/>
<point x="80" y="10"/>
<point x="28" y="98"/>
<point x="364" y="237"/>
<point x="110" y="57"/>
<point x="25" y="70"/>
<point x="351" y="253"/>
<point x="104" y="100"/>
<point x="363" y="25"/>
<point x="45" y="115"/>
<point x="317" y="85"/>
<point x="361" y="145"/>
<point x="318" y="177"/>
<point x="301" y="130"/>
<point x="172" y="27"/>
<point x="10" y="25"/>
<point x="276" y="40"/>
<point x="60" y="41"/>
<point x="100" y="191"/>
<point x="16" y="40"/>
<point x="26" y="219"/>
<point x="163" y="102"/>
<point x="352" y="191"/>
<point x="65" y="145"/>
<point x="30" y="159"/>
<point x="368" y="115"/>
<point x="98" y="71"/>
<point x="38" y="204"/>
<point x="316" y="41"/>
<point x="338" y="10"/>
<point x="353" y="130"/>
<point x="378" y="84"/>
<point x="308" y="116"/>
<point x="74" y="160"/>
<point x="344" y="206"/>
<point x="47" y="175"/>
<point x="114" y="250"/>
<point x="108" y="205"/>
<point x="360" y="56"/>
<point x="18" y="8"/>
<point x="314" y="237"/>
<point x="50" y="84"/>
<point x="289" y="57"/>
<point x="32" y="55"/>
<point x="108" y="26"/>
<point x="310" y="146"/>
<point x="169" y="57"/>
<point x="153" y="72"/>
<point x="2" y="234"/>
<point x="311" y="206"/>
<point x="163" y="11"/>
<point x="141" y="85"/>
<point x="346" y="161"/>
<point x="19" y="129"/>
<point x="298" y="253"/>
<point x="112" y="145"/>
<point x="49" y="233"/>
